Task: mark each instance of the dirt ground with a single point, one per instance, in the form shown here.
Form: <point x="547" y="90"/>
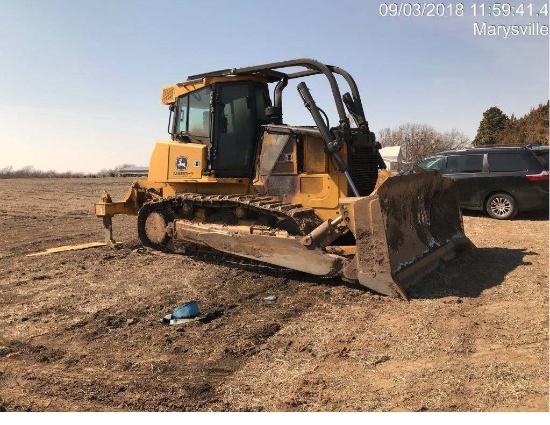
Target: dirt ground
<point x="80" y="330"/>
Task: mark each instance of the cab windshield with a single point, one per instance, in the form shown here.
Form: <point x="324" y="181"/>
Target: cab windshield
<point x="193" y="115"/>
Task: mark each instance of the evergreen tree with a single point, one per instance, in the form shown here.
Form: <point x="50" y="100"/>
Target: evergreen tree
<point x="493" y="121"/>
<point x="531" y="128"/>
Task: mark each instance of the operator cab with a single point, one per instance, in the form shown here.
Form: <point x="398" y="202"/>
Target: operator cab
<point x="227" y="117"/>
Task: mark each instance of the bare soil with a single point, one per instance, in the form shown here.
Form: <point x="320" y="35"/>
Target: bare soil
<point x="80" y="330"/>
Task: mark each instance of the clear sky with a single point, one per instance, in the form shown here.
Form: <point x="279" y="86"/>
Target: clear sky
<point x="80" y="81"/>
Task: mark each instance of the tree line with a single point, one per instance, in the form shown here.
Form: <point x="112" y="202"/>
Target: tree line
<point x="29" y="172"/>
<point x="496" y="128"/>
<point x="419" y="141"/>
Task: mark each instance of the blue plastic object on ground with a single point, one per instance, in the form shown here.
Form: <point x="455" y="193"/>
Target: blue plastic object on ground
<point x="187" y="310"/>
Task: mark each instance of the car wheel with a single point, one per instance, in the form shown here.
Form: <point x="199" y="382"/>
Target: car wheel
<point x="501" y="206"/>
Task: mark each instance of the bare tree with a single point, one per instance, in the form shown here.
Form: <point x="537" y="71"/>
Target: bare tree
<point x="418" y="141"/>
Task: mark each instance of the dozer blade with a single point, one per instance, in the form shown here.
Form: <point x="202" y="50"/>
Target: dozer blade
<point x="283" y="251"/>
<point x="403" y="231"/>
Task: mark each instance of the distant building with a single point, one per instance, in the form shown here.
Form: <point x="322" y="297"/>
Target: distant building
<point x="133" y="171"/>
<point x="393" y="157"/>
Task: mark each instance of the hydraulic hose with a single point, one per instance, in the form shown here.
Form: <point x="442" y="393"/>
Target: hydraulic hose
<point x="331" y="142"/>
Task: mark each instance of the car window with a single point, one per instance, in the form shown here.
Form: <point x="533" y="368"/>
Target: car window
<point x="435" y="163"/>
<point x="464" y="163"/>
<point x="501" y="161"/>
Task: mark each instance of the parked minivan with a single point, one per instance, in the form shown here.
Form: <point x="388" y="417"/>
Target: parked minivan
<point x="501" y="180"/>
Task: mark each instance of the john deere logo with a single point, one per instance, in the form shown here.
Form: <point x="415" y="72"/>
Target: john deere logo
<point x="181" y="163"/>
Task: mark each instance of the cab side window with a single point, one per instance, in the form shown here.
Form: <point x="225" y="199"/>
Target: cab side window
<point x="193" y="114"/>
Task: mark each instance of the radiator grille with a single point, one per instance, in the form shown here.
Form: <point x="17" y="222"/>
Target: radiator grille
<point x="363" y="168"/>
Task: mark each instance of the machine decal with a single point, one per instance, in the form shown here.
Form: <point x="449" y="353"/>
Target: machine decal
<point x="196" y="163"/>
<point x="181" y="163"/>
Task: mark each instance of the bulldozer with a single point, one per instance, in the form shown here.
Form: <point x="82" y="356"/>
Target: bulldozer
<point x="233" y="177"/>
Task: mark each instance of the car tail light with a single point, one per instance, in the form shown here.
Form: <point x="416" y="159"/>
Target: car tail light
<point x="538" y="177"/>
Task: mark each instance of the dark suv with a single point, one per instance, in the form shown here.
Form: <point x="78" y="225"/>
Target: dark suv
<point x="501" y="180"/>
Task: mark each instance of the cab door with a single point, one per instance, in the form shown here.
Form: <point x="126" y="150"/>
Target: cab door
<point x="236" y="128"/>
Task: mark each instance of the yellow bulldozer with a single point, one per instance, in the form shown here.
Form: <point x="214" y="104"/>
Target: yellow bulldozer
<point x="235" y="178"/>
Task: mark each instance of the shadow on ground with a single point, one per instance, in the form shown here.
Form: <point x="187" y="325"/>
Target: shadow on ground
<point x="477" y="270"/>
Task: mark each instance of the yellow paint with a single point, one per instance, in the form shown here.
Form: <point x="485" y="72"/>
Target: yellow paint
<point x="186" y="161"/>
<point x="163" y="173"/>
<point x="108" y="209"/>
<point x="158" y="166"/>
<point x="325" y="202"/>
<point x="172" y="92"/>
<point x="311" y="185"/>
<point x="315" y="158"/>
